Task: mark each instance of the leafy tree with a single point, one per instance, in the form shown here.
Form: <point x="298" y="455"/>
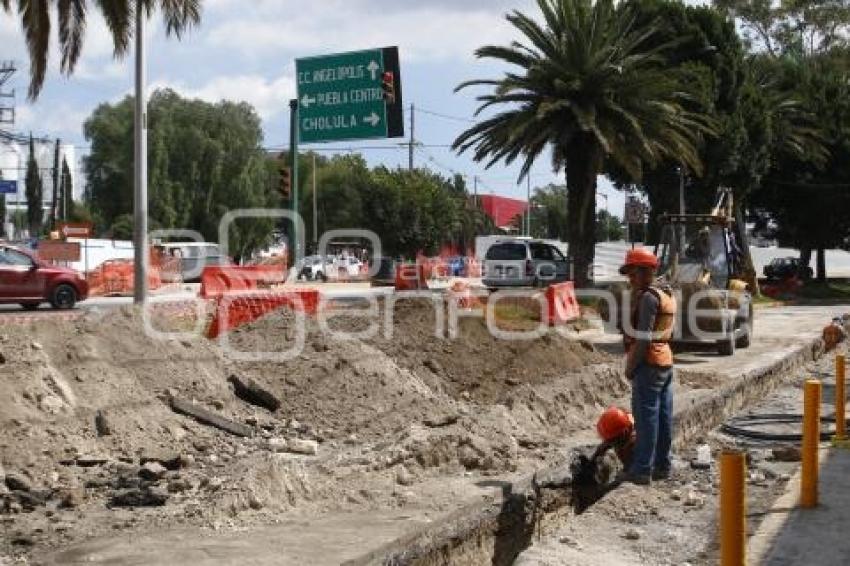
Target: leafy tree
<point x="549" y="212"/>
<point x="204" y="160"/>
<point x="67" y="184"/>
<point x="179" y="15"/>
<point x="590" y="86"/>
<point x="609" y="228"/>
<point x="34" y="194"/>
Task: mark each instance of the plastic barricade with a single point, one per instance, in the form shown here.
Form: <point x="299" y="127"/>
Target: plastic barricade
<point x="237" y="309"/>
<point x="462" y="293"/>
<point x="562" y="303"/>
<point x="217" y="280"/>
<point x="410" y="277"/>
<point x="116" y="276"/>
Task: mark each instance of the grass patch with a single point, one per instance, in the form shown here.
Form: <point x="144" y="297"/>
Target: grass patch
<point x="832" y="290"/>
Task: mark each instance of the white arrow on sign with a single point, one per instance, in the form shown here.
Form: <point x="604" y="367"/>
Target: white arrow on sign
<point x="306" y="101"/>
<point x="373" y="68"/>
<point x="372" y="119"/>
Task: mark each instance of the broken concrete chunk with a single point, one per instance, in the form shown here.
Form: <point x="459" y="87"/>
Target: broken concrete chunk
<point x="209" y="418"/>
<point x="17" y="482"/>
<point x="404" y="477"/>
<point x="277" y="444"/>
<point x="787" y="454"/>
<point x="143" y="497"/>
<point x="152" y="471"/>
<point x="632" y="534"/>
<point x="101" y="424"/>
<point x="252" y="392"/>
<point x="299" y="446"/>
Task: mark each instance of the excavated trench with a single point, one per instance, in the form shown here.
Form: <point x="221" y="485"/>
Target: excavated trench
<point x="496" y="532"/>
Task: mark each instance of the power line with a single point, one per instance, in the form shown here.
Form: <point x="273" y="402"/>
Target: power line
<point x="446" y="116"/>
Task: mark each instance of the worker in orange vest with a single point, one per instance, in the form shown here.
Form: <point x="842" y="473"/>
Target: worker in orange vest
<point x="649" y="366"/>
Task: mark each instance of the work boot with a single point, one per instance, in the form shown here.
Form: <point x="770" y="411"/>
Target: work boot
<point x="661" y="475"/>
<point x="637" y="479"/>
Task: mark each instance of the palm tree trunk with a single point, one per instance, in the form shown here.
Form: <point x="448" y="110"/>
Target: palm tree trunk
<point x="583" y="160"/>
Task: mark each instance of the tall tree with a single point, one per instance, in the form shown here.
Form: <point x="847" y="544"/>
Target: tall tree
<point x="591" y="86"/>
<point x="179" y="15"/>
<point x="67" y="182"/>
<point x="34" y="193"/>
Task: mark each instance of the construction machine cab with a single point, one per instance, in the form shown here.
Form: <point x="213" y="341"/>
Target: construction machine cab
<point x="706" y="256"/>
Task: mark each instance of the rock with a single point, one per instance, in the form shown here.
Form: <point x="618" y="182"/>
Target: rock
<point x="101" y="424"/>
<point x="143" y="497"/>
<point x="179" y="485"/>
<point x="255" y="503"/>
<point x="512" y="381"/>
<point x="214" y="483"/>
<point x="217" y="404"/>
<point x="187" y="460"/>
<point x="277" y="444"/>
<point x="91" y="460"/>
<point x="252" y="392"/>
<point x="694" y="499"/>
<point x="299" y="446"/>
<point x="433" y="365"/>
<point x="17" y="482"/>
<point x="569" y="541"/>
<point x="36" y="346"/>
<point x="787" y="454"/>
<point x="404" y="477"/>
<point x="168" y="460"/>
<point x="2" y="358"/>
<point x="632" y="534"/>
<point x="71" y="498"/>
<point x="676" y="495"/>
<point x="152" y="471"/>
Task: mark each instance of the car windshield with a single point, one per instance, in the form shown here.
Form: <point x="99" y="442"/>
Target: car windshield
<point x="12" y="257"/>
<point x="506" y="252"/>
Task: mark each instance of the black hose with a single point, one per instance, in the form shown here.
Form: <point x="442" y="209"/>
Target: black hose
<point x="742" y="427"/>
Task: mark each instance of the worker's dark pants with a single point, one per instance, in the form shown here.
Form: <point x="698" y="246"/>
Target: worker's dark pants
<point x="652" y="407"/>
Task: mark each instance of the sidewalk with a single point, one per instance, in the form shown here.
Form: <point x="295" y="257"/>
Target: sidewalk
<point x="810" y="536"/>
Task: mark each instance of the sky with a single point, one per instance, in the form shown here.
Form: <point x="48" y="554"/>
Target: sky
<point x="245" y="51"/>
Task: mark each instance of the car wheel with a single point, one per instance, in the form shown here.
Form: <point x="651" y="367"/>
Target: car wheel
<point x="322" y="277"/>
<point x="64" y="297"/>
<point x="744" y="339"/>
<point x="30" y="306"/>
<point x="726" y="346"/>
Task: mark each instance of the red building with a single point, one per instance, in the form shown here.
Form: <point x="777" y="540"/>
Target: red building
<point x="502" y="210"/>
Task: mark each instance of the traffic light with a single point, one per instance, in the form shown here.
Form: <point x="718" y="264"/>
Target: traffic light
<point x="285" y="182"/>
<point x="388" y="86"/>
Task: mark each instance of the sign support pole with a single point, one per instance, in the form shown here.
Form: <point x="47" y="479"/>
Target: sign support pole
<point x="140" y="188"/>
<point x="293" y="164"/>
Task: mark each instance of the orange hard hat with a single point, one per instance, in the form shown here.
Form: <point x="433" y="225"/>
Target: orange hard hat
<point x="614" y="423"/>
<point x="639" y="257"/>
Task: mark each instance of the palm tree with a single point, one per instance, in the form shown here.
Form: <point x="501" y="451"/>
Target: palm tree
<point x="591" y="88"/>
<point x="179" y="15"/>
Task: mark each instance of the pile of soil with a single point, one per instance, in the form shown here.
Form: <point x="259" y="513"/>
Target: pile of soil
<point x="381" y="410"/>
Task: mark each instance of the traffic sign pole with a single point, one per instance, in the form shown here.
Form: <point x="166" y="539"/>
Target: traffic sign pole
<point x="293" y="164"/>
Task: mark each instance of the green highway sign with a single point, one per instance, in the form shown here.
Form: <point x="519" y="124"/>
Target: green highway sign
<point x="347" y="96"/>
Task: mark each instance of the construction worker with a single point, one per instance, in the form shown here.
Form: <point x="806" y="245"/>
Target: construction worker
<point x="649" y="366"/>
<point x="616" y="428"/>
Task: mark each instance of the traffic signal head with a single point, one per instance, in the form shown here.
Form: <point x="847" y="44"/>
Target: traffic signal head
<point x="388" y="86"/>
<point x="285" y="181"/>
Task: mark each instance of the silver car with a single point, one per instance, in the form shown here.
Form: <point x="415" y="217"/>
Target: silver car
<point x="524" y="263"/>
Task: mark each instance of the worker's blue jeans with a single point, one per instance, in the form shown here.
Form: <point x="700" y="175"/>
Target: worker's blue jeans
<point x="652" y="407"/>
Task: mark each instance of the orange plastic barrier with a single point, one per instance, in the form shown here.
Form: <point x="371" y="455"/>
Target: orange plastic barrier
<point x="563" y="306"/>
<point x="217" y="280"/>
<point x="232" y="311"/>
<point x="115" y="277"/>
<point x="462" y="292"/>
<point x="410" y="277"/>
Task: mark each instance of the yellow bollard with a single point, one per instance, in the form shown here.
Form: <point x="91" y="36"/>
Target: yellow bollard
<point x="733" y="509"/>
<point x="840" y="399"/>
<point x="811" y="439"/>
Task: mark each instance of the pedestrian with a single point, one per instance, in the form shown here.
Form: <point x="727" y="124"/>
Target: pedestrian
<point x="649" y="366"/>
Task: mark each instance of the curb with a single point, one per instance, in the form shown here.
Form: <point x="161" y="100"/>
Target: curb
<point x="496" y="531"/>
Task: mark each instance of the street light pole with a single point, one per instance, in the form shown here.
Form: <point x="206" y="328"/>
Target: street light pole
<point x="140" y="186"/>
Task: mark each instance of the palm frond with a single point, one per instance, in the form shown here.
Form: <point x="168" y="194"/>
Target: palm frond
<point x="72" y="26"/>
<point x="35" y="19"/>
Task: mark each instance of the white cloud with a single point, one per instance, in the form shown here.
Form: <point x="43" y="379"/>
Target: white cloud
<point x="268" y="96"/>
<point x="423" y="32"/>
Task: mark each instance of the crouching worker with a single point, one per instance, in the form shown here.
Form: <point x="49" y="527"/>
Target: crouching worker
<point x="616" y="428"/>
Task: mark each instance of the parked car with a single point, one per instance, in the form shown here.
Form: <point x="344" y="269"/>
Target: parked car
<point x="785" y="267"/>
<point x="348" y="266"/>
<point x="315" y="268"/>
<point x="28" y="281"/>
<point x="523" y="263"/>
<point x="194" y="256"/>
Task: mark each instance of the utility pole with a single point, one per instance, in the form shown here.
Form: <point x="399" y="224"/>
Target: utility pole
<point x="55" y="197"/>
<point x="528" y="205"/>
<point x="293" y="164"/>
<point x="315" y="218"/>
<point x="475" y="190"/>
<point x="410" y="145"/>
<point x="140" y="188"/>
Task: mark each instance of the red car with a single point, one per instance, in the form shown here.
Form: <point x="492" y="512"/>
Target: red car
<point x="28" y="281"/>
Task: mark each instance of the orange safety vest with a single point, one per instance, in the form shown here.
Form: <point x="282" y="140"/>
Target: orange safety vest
<point x="658" y="353"/>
